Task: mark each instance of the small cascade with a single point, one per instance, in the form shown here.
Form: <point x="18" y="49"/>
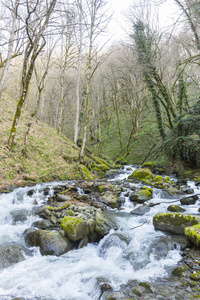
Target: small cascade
<point x="133" y="252"/>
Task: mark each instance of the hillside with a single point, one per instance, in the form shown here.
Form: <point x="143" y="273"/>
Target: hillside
<point x="45" y="156"/>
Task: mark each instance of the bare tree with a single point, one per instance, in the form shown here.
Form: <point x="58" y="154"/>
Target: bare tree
<point x="36" y="21"/>
<point x="93" y="21"/>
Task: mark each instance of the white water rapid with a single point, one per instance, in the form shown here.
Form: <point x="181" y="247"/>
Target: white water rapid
<point x="75" y="275"/>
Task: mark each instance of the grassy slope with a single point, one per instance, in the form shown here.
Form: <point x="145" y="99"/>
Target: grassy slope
<point x="49" y="156"/>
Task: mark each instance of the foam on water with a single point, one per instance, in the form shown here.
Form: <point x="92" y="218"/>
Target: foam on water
<point x="76" y="274"/>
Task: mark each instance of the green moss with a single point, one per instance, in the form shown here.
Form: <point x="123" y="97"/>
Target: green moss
<point x="175" y="219"/>
<point x="195" y="276"/>
<point x="149" y="165"/>
<point x="85" y="172"/>
<point x="193" y="234"/>
<point x="141" y="174"/>
<point x="137" y="293"/>
<point x="145" y="285"/>
<point x="179" y="270"/>
<point x="145" y="192"/>
<point x="74" y="227"/>
<point x="64" y="206"/>
<point x="175" y="208"/>
<point x="192" y="283"/>
<point x="70" y="213"/>
<point x="100" y="188"/>
<point x="49" y="207"/>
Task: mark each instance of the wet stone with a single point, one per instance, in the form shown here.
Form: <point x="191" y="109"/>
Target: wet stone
<point x="19" y="215"/>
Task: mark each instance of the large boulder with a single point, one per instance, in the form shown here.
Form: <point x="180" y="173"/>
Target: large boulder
<point x="109" y="198"/>
<point x="10" y="254"/>
<point x="141" y="195"/>
<point x="193" y="234"/>
<point x="50" y="243"/>
<point x="189" y="200"/>
<point x="141" y="174"/>
<point x="103" y="224"/>
<point x="174" y="222"/>
<point x="75" y="228"/>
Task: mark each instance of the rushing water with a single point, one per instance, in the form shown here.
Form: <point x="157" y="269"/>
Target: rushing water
<point x="75" y="275"/>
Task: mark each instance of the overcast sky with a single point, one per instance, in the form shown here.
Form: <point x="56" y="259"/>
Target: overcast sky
<point x="118" y="26"/>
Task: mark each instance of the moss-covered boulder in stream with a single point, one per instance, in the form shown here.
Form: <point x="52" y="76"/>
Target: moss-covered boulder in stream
<point x="193" y="234"/>
<point x="175" y="208"/>
<point x="141" y="195"/>
<point x="50" y="243"/>
<point x="111" y="199"/>
<point x="141" y="174"/>
<point x="157" y="181"/>
<point x="103" y="224"/>
<point x="174" y="222"/>
<point x="75" y="228"/>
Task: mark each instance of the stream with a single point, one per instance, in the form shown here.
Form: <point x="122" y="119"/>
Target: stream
<point x="75" y="275"/>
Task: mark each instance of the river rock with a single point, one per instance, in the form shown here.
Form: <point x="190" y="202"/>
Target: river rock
<point x="42" y="224"/>
<point x="193" y="234"/>
<point x="50" y="243"/>
<point x="141" y="195"/>
<point x="83" y="242"/>
<point x="159" y="248"/>
<point x="63" y="198"/>
<point x="10" y="254"/>
<point x="75" y="228"/>
<point x="141" y="174"/>
<point x="103" y="224"/>
<point x="174" y="222"/>
<point x="113" y="240"/>
<point x="141" y="210"/>
<point x="110" y="199"/>
<point x="175" y="208"/>
<point x="189" y="200"/>
<point x="19" y="215"/>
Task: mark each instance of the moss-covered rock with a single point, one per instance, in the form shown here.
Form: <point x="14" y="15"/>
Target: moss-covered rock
<point x="149" y="165"/>
<point x="103" y="224"/>
<point x="175" y="208"/>
<point x="141" y="195"/>
<point x="174" y="222"/>
<point x="189" y="200"/>
<point x="49" y="242"/>
<point x="193" y="234"/>
<point x="157" y="181"/>
<point x="195" y="276"/>
<point x="75" y="228"/>
<point x="110" y="199"/>
<point x="179" y="270"/>
<point x="141" y="175"/>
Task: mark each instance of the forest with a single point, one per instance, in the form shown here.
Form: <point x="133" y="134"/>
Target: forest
<point x="131" y="100"/>
<point x="99" y="150"/>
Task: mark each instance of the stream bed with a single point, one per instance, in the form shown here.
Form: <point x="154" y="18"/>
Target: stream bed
<point x="140" y="255"/>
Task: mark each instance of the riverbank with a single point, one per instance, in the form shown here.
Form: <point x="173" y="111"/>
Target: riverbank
<point x="117" y="253"/>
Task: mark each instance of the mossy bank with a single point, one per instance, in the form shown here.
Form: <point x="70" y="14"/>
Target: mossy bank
<point x="39" y="153"/>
